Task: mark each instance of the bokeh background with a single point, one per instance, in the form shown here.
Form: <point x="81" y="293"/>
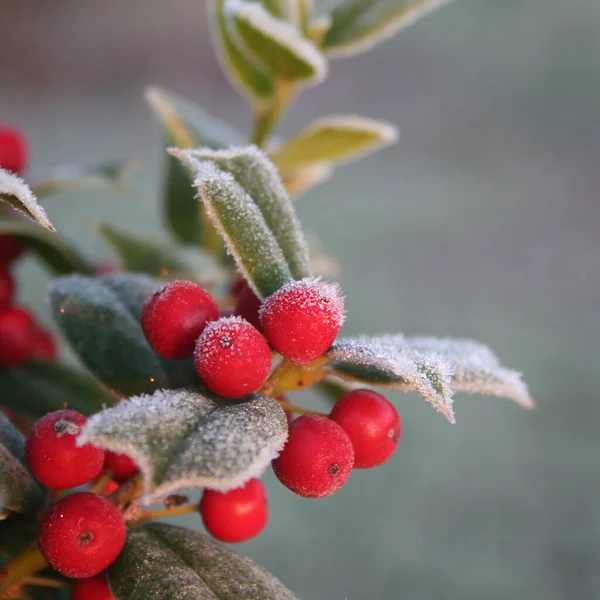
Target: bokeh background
<point x="483" y="222"/>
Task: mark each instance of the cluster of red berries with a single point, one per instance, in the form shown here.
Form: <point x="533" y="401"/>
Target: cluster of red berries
<point x="21" y="338"/>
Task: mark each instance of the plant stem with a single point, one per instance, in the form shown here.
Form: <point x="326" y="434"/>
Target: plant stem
<point x="27" y="563"/>
<point x="299" y="409"/>
<point x="268" y="113"/>
<point x="99" y="485"/>
<point x="127" y="492"/>
<point x="43" y="582"/>
<point x="175" y="511"/>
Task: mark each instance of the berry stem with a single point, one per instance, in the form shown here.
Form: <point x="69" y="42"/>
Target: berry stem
<point x="100" y="483"/>
<point x="175" y="511"/>
<point x="298" y="409"/>
<point x="43" y="582"/>
<point x="290" y="377"/>
<point x="29" y="562"/>
<point x="269" y="112"/>
<point x="128" y="492"/>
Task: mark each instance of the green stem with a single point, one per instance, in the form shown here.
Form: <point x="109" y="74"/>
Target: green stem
<point x="268" y="113"/>
<point x="175" y="511"/>
<point x="29" y="562"/>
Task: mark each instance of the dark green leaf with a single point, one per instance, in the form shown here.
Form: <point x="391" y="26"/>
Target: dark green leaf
<point x="163" y="562"/>
<point x="37" y="388"/>
<point x="182" y="439"/>
<point x="100" y="318"/>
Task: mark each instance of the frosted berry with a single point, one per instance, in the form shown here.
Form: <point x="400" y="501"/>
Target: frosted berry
<point x="372" y="424"/>
<point x="17" y="337"/>
<point x="174" y="317"/>
<point x="92" y="588"/>
<point x="247" y="306"/>
<point x="120" y="466"/>
<point x="13" y="149"/>
<point x="53" y="456"/>
<point x="81" y="535"/>
<point x="7" y="287"/>
<point x="44" y="346"/>
<point x="232" y="358"/>
<point x="302" y="319"/>
<point x="316" y="459"/>
<point x="10" y="249"/>
<point x="237" y="515"/>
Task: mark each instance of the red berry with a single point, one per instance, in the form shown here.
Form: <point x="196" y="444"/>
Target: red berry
<point x="120" y="466"/>
<point x="174" y="317"/>
<point x="316" y="459"/>
<point x="302" y="319"/>
<point x="92" y="588"/>
<point x="248" y="305"/>
<point x="7" y="287"/>
<point x="10" y="249"/>
<point x="81" y="535"/>
<point x="238" y="286"/>
<point x="17" y="337"/>
<point x="13" y="149"/>
<point x="372" y="424"/>
<point x="109" y="487"/>
<point x="53" y="456"/>
<point x="237" y="515"/>
<point x="44" y="346"/>
<point x="232" y="358"/>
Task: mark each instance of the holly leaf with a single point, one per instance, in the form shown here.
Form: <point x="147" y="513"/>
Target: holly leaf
<point x="274" y="43"/>
<point x="241" y="224"/>
<point x="257" y="175"/>
<point x="100" y="319"/>
<point x="164" y="562"/>
<point x="244" y="73"/>
<point x="358" y="25"/>
<point x="19" y="492"/>
<point x="14" y="191"/>
<point x="333" y="140"/>
<point x="37" y="388"/>
<point x="142" y="255"/>
<point x="182" y="439"/>
<point x="110" y="175"/>
<point x="60" y="257"/>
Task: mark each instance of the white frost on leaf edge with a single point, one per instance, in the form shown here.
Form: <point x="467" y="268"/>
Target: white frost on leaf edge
<point x="19" y="196"/>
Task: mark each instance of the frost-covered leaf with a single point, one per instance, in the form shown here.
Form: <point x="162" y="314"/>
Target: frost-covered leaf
<point x="475" y="368"/>
<point x="110" y="175"/>
<point x="37" y="388"/>
<point x="142" y="255"/>
<point x="164" y="562"/>
<point x="334" y="139"/>
<point x="358" y="25"/>
<point x="100" y="318"/>
<point x="60" y="257"/>
<point x="241" y="224"/>
<point x="276" y="44"/>
<point x="185" y="125"/>
<point x="182" y="439"/>
<point x="299" y="181"/>
<point x="244" y="73"/>
<point x="259" y="178"/>
<point x="19" y="492"/>
<point x="383" y="362"/>
<point x="14" y="191"/>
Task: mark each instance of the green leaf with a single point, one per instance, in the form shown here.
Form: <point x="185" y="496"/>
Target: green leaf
<point x="110" y="175"/>
<point x="14" y="191"/>
<point x="259" y="178"/>
<point x="51" y="249"/>
<point x="141" y="255"/>
<point x="182" y="439"/>
<point x="164" y="562"/>
<point x="241" y="224"/>
<point x="358" y="25"/>
<point x="334" y="139"/>
<point x="37" y="388"/>
<point x="305" y="9"/>
<point x="276" y="44"/>
<point x="100" y="318"/>
<point x="244" y="73"/>
<point x="300" y="181"/>
<point x="185" y="125"/>
<point x="19" y="492"/>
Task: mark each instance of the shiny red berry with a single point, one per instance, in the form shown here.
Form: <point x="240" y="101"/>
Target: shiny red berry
<point x="237" y="515"/>
<point x="10" y="249"/>
<point x="174" y="317"/>
<point x="120" y="466"/>
<point x="247" y="306"/>
<point x="92" y="588"/>
<point x="372" y="424"/>
<point x="316" y="459"/>
<point x="17" y="337"/>
<point x="232" y="358"/>
<point x="7" y="288"/>
<point x="81" y="535"/>
<point x="13" y="149"/>
<point x="302" y="319"/>
<point x="44" y="346"/>
<point x="53" y="456"/>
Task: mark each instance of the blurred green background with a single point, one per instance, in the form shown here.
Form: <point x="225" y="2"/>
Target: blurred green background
<point x="483" y="222"/>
